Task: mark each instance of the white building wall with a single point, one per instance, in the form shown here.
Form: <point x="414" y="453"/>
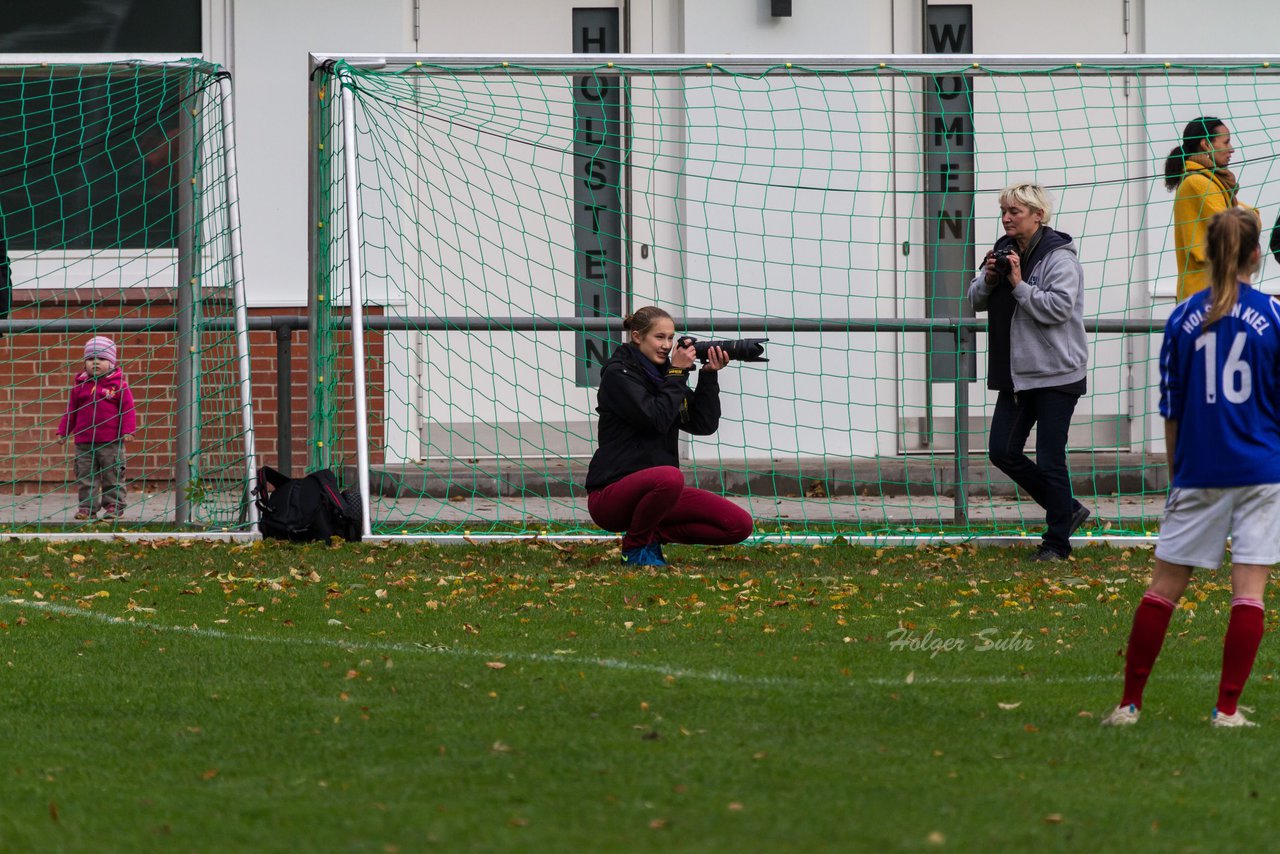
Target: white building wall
<point x="265" y="44"/>
<point x="268" y="51"/>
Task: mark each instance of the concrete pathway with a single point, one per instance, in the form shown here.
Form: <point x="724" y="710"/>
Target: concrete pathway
<point x="815" y="515"/>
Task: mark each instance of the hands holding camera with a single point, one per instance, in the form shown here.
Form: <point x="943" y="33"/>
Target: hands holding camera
<point x="1003" y="264"/>
<point x="685" y="354"/>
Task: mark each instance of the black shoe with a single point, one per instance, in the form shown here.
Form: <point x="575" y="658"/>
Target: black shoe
<point x="1078" y="518"/>
<point x="1046" y="554"/>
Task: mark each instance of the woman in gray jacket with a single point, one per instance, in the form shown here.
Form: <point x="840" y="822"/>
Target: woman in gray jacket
<point x="1031" y="285"/>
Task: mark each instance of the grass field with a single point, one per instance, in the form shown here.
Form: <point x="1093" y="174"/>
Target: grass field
<point x="211" y="697"/>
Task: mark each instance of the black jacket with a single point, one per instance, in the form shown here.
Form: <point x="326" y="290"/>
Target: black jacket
<point x="641" y="415"/>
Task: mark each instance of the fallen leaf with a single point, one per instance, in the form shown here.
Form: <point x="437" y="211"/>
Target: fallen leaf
<point x="209" y="774"/>
<point x="657" y="823"/>
<point x="494" y="665"/>
<point x="911" y="677"/>
<point x="1031" y="728"/>
<point x="53" y="811"/>
<point x="1053" y="818"/>
<point x="1008" y="706"/>
<point x="936" y="838"/>
<point x="734" y="806"/>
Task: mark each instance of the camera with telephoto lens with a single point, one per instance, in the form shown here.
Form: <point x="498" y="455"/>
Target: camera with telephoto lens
<point x="1003" y="267"/>
<point x="740" y="350"/>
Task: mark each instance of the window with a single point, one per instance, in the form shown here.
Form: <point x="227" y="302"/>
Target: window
<point x="87" y="159"/>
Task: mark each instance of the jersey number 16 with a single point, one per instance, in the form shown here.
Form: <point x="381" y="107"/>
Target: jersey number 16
<point x="1237" y="378"/>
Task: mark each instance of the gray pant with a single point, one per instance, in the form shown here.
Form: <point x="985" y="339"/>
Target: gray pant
<point x="100" y="476"/>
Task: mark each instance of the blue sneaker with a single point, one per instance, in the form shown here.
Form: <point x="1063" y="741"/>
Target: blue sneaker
<point x="646" y="555"/>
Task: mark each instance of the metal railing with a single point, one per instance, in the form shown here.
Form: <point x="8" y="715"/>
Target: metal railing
<point x="284" y="326"/>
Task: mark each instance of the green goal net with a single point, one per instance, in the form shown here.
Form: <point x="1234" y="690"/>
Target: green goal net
<point x="498" y="219"/>
<point x="116" y="229"/>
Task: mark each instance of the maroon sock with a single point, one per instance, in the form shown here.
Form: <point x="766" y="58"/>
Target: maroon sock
<point x="1239" y="648"/>
<point x="1150" y="622"/>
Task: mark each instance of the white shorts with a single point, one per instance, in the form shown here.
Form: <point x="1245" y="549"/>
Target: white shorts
<point x="1197" y="522"/>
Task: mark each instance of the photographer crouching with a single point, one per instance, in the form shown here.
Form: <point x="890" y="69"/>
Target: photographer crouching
<point x="634" y="484"/>
<point x="1031" y="285"/>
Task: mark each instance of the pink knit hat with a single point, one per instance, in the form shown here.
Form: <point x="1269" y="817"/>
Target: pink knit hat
<point x="100" y="346"/>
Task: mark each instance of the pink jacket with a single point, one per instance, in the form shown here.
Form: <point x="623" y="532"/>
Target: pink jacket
<point x="100" y="410"/>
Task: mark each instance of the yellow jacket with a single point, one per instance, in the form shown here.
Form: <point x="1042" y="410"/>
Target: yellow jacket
<point x="1200" y="195"/>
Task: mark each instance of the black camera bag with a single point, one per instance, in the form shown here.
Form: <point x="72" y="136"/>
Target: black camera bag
<point x="306" y="509"/>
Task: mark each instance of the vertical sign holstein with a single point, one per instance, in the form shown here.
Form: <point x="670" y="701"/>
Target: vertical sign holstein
<point x="597" y="197"/>
<point x="948" y="189"/>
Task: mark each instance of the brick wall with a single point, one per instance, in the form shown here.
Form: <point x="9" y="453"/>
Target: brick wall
<point x="37" y="370"/>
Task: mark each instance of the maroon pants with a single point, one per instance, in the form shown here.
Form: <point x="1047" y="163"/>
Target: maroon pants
<point x="654" y="506"/>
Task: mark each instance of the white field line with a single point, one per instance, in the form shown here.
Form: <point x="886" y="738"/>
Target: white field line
<point x="909" y="659"/>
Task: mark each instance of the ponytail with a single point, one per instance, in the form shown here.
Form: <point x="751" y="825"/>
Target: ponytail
<point x="1174" y="166"/>
<point x="1232" y="241"/>
<point x="1197" y="131"/>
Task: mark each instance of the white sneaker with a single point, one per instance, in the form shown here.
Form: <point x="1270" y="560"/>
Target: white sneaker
<point x="1122" y="716"/>
<point x="1238" y="719"/>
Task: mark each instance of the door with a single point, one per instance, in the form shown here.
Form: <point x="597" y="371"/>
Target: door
<point x="1073" y="134"/>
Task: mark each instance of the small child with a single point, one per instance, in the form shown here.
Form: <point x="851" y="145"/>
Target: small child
<point x="99" y="415"/>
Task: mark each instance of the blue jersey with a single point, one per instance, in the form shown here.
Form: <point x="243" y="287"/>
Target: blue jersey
<point x="1221" y="385"/>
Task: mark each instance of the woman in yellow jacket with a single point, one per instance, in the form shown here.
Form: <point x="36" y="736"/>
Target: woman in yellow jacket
<point x="1197" y="169"/>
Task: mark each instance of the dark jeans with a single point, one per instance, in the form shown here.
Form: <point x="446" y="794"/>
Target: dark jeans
<point x="1046" y="480"/>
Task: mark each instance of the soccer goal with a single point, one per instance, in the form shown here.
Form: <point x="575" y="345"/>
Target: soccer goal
<point x="481" y="224"/>
<point x="120" y="238"/>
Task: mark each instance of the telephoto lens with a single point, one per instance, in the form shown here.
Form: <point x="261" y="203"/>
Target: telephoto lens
<point x="738" y="350"/>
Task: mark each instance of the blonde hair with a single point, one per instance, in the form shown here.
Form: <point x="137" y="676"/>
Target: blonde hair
<point x="1232" y="241"/>
<point x="1030" y="196"/>
<point x="640" y="321"/>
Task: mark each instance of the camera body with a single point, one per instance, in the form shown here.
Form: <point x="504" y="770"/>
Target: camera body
<point x="738" y="350"/>
<point x="1003" y="266"/>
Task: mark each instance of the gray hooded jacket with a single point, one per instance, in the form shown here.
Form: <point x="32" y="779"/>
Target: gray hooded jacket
<point x="1047" y="343"/>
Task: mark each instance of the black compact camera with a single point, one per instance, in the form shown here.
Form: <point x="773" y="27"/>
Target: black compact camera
<point x="740" y="350"/>
<point x="1003" y="266"/>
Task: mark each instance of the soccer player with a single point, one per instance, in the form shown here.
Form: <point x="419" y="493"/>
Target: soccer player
<point x="1220" y="398"/>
